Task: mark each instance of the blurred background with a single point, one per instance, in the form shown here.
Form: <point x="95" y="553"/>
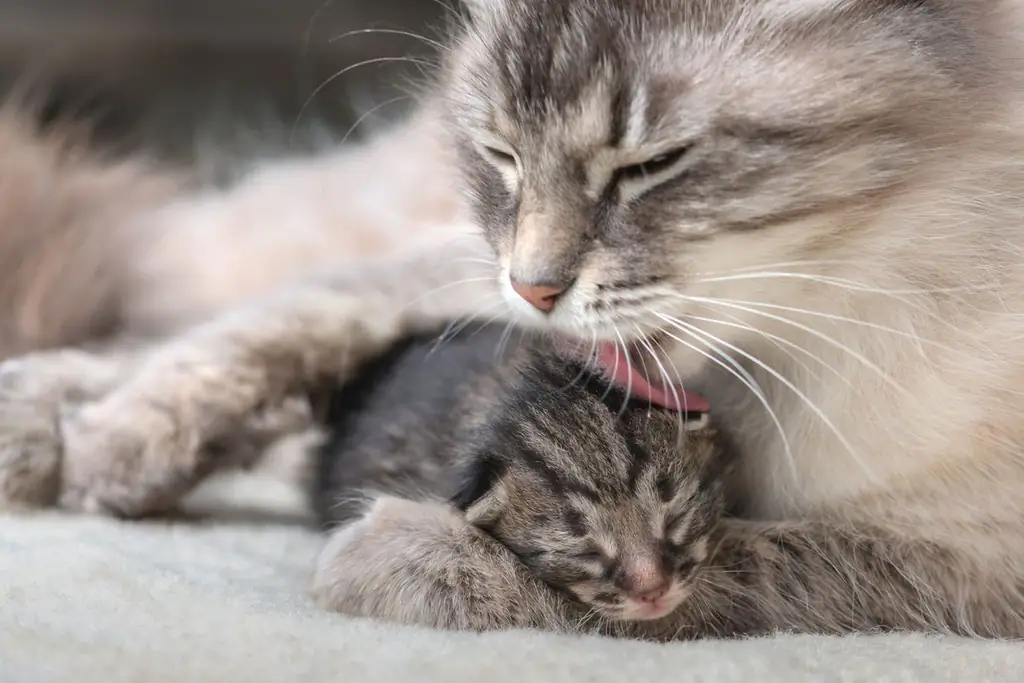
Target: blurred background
<point x="216" y="84"/>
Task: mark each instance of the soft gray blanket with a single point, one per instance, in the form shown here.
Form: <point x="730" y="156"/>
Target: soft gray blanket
<point x="97" y="601"/>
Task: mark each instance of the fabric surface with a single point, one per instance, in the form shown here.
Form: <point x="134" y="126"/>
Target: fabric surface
<point x="99" y="601"/>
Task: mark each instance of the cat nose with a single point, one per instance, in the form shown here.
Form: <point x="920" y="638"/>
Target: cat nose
<point x="542" y="297"/>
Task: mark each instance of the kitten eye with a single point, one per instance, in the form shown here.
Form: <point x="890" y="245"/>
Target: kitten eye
<point x="677" y="523"/>
<point x="654" y="165"/>
<point x="590" y="556"/>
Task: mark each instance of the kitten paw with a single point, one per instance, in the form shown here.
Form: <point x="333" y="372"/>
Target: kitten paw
<point x="421" y="563"/>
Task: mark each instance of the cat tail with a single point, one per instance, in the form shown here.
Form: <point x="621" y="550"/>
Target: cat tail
<point x="70" y="220"/>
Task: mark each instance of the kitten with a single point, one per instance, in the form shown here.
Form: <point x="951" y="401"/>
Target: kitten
<point x="809" y="209"/>
<point x="606" y="498"/>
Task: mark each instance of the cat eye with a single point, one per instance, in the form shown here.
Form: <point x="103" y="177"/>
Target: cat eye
<point x="500" y="157"/>
<point x="654" y="165"/>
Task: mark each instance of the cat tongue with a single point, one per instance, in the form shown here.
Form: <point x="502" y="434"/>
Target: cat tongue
<point x="616" y="364"/>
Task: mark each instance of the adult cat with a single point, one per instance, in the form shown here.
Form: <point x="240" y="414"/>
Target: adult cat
<point x="809" y="209"/>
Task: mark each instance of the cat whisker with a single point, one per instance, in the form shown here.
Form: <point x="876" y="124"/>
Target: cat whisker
<point x="843" y="283"/>
<point x="681" y="430"/>
<point x="391" y="31"/>
<point x="338" y="74"/>
<point x="779" y="343"/>
<point x="365" y="115"/>
<point x="506" y="334"/>
<point x="679" y="382"/>
<point x="855" y="286"/>
<point x="882" y="374"/>
<point x="615" y="372"/>
<point x="781" y="264"/>
<point x="441" y="288"/>
<point x="456" y="326"/>
<point x="587" y="363"/>
<point x="737" y="371"/>
<point x="629" y="376"/>
<point x="806" y="400"/>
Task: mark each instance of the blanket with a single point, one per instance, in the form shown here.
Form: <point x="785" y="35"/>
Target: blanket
<point x="223" y="599"/>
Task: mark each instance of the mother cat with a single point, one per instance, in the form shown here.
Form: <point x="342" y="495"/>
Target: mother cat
<point x="810" y="209"/>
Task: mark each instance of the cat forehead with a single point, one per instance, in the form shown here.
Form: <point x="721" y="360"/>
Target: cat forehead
<point x="591" y="68"/>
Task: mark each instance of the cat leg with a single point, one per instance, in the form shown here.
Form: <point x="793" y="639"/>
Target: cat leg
<point x="422" y="563"/>
<point x="820" y="577"/>
<point x="143" y="446"/>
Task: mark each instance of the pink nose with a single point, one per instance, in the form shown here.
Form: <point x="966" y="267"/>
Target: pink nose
<point x="650" y="594"/>
<point x="541" y="297"/>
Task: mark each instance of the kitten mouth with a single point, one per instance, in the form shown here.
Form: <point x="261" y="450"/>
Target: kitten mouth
<point x="615" y="363"/>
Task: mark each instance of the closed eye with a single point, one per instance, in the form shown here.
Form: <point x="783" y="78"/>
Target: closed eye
<point x="591" y="556"/>
<point x="677" y="525"/>
<point x="499" y="157"/>
<point x="653" y="166"/>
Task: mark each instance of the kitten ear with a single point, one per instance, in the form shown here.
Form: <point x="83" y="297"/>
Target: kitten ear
<point x="477" y="493"/>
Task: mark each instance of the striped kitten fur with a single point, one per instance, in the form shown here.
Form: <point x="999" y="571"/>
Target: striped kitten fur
<point x="608" y="500"/>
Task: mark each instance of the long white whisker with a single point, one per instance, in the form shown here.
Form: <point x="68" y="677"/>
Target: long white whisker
<point x="335" y="76"/>
<point x="390" y="31"/>
<point x="809" y="330"/>
<point x="587" y="363"/>
<point x="443" y="287"/>
<point x="681" y="430"/>
<point x="778" y="342"/>
<point x="629" y="375"/>
<point x="843" y="283"/>
<point x="737" y="371"/>
<point x="917" y="339"/>
<point x="365" y="115"/>
<point x="825" y="419"/>
<point x="455" y="327"/>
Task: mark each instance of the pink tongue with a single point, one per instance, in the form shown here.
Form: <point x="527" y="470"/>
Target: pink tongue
<point x="616" y="365"/>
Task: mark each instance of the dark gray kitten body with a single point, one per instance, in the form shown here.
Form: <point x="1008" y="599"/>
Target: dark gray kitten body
<point x="609" y="499"/>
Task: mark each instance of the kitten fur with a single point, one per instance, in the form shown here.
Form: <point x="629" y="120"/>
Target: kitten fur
<point x="610" y="500"/>
<point x="810" y="209"/>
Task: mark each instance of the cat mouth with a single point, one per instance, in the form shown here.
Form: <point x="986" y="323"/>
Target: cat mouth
<point x="616" y="364"/>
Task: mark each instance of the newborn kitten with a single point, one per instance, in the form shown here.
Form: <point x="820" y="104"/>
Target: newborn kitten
<point x="607" y="499"/>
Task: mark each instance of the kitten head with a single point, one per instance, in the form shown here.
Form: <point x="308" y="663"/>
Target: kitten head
<point x="625" y="528"/>
<point x="623" y="156"/>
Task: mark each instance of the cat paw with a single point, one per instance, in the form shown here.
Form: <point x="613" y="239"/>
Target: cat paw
<point x="33" y="391"/>
<point x="421" y="563"/>
<point x="30" y="456"/>
<point x="126" y="458"/>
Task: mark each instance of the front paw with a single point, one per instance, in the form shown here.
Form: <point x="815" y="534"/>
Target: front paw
<point x="421" y="563"/>
<point x="126" y="458"/>
<point x="33" y="390"/>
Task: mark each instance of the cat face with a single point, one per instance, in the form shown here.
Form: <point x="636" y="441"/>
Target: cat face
<point x="602" y="501"/>
<point x="635" y="163"/>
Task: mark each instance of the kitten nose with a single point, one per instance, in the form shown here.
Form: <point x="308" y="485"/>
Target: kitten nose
<point x="651" y="593"/>
<point x="541" y="297"/>
<point x="647" y="579"/>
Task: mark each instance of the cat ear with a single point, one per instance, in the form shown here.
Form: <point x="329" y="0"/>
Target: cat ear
<point x="478" y="491"/>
